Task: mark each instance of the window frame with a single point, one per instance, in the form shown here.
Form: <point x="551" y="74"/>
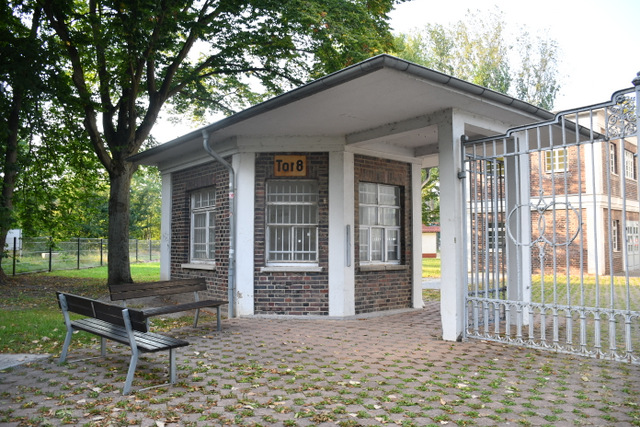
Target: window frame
<point x="386" y="231"/>
<point x="630" y="171"/>
<point x="208" y="208"/>
<point x="556" y="160"/>
<point x="615" y="235"/>
<point x="613" y="158"/>
<point x="293" y="228"/>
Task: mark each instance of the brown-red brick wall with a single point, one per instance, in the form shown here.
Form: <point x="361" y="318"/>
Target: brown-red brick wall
<point x="183" y="184"/>
<point x="291" y="293"/>
<point x="387" y="289"/>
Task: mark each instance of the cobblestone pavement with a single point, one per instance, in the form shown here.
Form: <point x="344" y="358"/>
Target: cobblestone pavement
<point x="382" y="370"/>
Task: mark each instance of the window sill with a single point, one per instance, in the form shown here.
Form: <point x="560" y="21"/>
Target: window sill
<point x="192" y="266"/>
<point x="383" y="267"/>
<point x="292" y="269"/>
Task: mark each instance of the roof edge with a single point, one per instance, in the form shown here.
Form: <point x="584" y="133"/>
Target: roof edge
<point x="342" y="76"/>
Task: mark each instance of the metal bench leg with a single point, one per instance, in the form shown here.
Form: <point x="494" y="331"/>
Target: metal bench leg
<point x="132" y="370"/>
<point x="219" y="324"/>
<point x="195" y="321"/>
<point x="65" y="346"/>
<point x="172" y="366"/>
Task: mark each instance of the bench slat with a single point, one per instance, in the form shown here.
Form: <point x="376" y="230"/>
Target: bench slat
<point x="157" y="311"/>
<point x="107" y="312"/>
<point x="148" y="289"/>
<point x="147" y="342"/>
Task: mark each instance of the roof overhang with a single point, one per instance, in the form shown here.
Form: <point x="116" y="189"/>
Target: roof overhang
<point x="383" y="100"/>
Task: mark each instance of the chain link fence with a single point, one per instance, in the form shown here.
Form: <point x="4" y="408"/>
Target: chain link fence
<point x="38" y="254"/>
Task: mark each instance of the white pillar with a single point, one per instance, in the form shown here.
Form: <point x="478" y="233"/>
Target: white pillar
<point x="245" y="166"/>
<point x="341" y="237"/>
<point x="453" y="266"/>
<point x="416" y="234"/>
<point x="165" y="228"/>
<point x="518" y="227"/>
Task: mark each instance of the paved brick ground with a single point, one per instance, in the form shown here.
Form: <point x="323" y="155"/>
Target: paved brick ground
<point x="383" y="370"/>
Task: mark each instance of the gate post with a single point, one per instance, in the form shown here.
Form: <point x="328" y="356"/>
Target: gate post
<point x="452" y="250"/>
<point x="518" y="227"/>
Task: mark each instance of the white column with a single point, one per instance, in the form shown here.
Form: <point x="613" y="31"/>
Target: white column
<point x="245" y="166"/>
<point x="453" y="266"/>
<point x="416" y="234"/>
<point x="518" y="227"/>
<point x="341" y="237"/>
<point x="165" y="227"/>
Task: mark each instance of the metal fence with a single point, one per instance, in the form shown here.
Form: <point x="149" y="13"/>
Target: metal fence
<point x="38" y="254"/>
<point x="553" y="242"/>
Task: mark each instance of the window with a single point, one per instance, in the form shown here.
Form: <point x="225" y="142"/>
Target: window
<point x="496" y="235"/>
<point x="292" y="221"/>
<point x="629" y="165"/>
<point x="556" y="160"/>
<point x="615" y="235"/>
<point x="203" y="225"/>
<point x="379" y="223"/>
<point x="613" y="158"/>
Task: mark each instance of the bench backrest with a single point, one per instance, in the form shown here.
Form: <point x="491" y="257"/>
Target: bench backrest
<point x="152" y="289"/>
<point x="103" y="311"/>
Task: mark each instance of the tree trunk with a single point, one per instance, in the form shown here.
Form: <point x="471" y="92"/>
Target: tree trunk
<point x="118" y="268"/>
<point x="10" y="168"/>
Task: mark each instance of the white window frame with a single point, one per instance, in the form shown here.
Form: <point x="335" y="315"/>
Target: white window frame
<point x="202" y="232"/>
<point x="292" y="218"/>
<point x="496" y="234"/>
<point x="613" y="158"/>
<point x="615" y="242"/>
<point x="556" y="160"/>
<point x="388" y="235"/>
<point x="629" y="165"/>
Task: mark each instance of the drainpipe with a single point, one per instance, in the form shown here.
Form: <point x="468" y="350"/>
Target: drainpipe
<point x="232" y="220"/>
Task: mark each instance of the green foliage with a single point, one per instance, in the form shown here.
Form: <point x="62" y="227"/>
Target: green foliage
<point x="128" y="59"/>
<point x="431" y="196"/>
<point x="145" y="204"/>
<point x="476" y="50"/>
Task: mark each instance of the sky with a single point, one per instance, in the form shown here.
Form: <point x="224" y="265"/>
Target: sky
<point x="599" y="42"/>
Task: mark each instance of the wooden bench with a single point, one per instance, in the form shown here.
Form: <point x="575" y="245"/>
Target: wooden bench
<point x="123" y="292"/>
<point x="123" y="325"/>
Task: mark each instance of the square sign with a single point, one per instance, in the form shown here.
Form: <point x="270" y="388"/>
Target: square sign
<point x="290" y="165"/>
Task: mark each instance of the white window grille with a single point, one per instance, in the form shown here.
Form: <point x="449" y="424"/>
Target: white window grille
<point x="292" y="221"/>
<point x="615" y="229"/>
<point x="203" y="225"/>
<point x="379" y="223"/>
<point x="556" y="160"/>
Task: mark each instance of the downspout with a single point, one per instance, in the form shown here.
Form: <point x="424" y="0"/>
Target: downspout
<point x="232" y="220"/>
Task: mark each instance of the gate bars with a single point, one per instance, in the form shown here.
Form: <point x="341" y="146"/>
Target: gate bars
<point x="552" y="214"/>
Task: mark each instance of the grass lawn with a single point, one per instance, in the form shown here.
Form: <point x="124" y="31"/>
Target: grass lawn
<point x="30" y="320"/>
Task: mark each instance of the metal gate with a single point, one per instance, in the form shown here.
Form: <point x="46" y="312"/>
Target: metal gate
<point x="552" y="212"/>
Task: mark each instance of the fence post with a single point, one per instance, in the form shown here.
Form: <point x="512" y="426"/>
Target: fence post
<point x="15" y="245"/>
<point x="150" y="258"/>
<point x="101" y="243"/>
<point x="78" y="253"/>
<point x="50" y="254"/>
<point x="136" y="250"/>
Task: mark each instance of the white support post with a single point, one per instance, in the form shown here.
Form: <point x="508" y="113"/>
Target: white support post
<point x="341" y="234"/>
<point x="416" y="235"/>
<point x="454" y="269"/>
<point x="165" y="228"/>
<point x="244" y="164"/>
